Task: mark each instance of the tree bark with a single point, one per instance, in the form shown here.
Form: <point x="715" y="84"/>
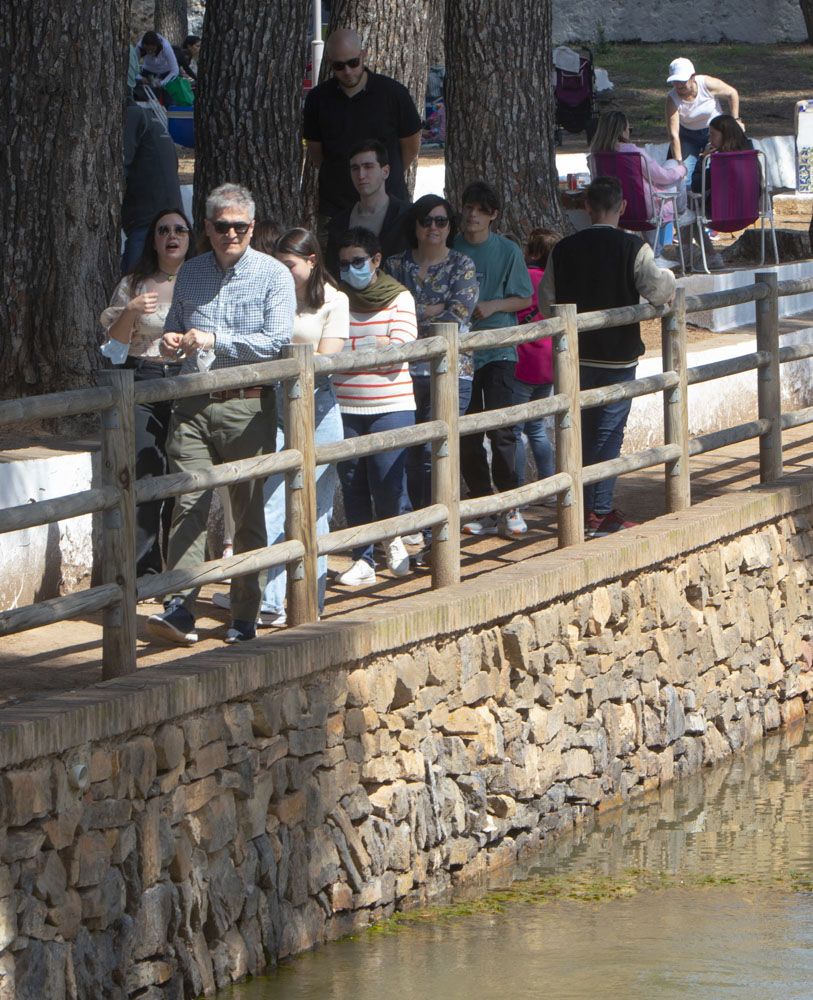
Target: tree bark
<point x="396" y="37"/>
<point x="807" y="14"/>
<point x="500" y="109"/>
<point x="62" y="83"/>
<point x="248" y="108"/>
<point x="171" y="20"/>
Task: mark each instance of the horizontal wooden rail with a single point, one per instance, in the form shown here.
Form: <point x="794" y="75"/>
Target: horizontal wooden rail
<point x="797" y="418"/>
<point x="795" y="352"/>
<point x="176" y="483"/>
<point x="488" y="420"/>
<point x="32" y="515"/>
<point x="374" y="444"/>
<point x="707" y="301"/>
<point x="55" y="405"/>
<point x="218" y="380"/>
<point x="604" y="394"/>
<point x="58" y="609"/>
<point x="380" y="357"/>
<point x="498" y="503"/>
<point x="728" y="435"/>
<point x="510" y="336"/>
<point x="728" y="366"/>
<point x="645" y="459"/>
<point x="217" y="570"/>
<point x="620" y="316"/>
<point x="795" y="286"/>
<point x="380" y="531"/>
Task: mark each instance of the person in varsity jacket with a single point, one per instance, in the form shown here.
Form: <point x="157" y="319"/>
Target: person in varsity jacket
<point x="602" y="267"/>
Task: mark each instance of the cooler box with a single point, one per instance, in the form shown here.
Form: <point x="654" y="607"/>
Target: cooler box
<point x="181" y="126"/>
<point x="804" y="146"/>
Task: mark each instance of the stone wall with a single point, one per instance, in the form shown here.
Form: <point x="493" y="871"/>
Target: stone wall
<point x="168" y="834"/>
<point x="756" y="21"/>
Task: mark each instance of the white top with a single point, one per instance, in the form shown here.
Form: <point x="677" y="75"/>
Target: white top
<point x="164" y="64"/>
<point x="697" y="114"/>
<point x="147" y="329"/>
<point x="332" y="319"/>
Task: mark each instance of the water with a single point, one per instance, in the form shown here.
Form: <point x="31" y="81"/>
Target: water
<point x="709" y="887"/>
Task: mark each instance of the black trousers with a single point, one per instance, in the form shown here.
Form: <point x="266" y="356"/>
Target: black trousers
<point x="491" y="389"/>
<point x="151" y="426"/>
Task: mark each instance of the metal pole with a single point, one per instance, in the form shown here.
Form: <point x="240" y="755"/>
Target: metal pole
<point x="317" y="45"/>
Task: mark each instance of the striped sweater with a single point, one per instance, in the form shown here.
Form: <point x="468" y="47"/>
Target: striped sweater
<point x="385" y="390"/>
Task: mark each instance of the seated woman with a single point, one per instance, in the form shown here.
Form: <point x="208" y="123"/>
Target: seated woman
<point x="725" y="136"/>
<point x="382" y="316"/>
<point x="534" y="371"/>
<point x="134" y="323"/>
<point x="612" y="136"/>
<point x="443" y="283"/>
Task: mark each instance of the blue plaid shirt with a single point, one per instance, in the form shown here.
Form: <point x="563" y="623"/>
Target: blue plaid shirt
<point x="250" y="307"/>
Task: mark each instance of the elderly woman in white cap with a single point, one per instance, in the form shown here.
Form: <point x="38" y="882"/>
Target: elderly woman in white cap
<point x="690" y="105"/>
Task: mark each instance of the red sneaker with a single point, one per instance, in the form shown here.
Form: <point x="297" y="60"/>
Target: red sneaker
<point x="592" y="523"/>
<point x="610" y="523"/>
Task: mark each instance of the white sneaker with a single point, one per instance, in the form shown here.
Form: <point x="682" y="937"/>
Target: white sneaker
<point x="398" y="557"/>
<point x="416" y="538"/>
<point x="485" y="526"/>
<point x="513" y="524"/>
<point x="221" y="600"/>
<point x="360" y="574"/>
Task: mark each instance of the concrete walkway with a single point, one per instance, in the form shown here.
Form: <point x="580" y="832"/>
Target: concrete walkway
<point x="66" y="656"/>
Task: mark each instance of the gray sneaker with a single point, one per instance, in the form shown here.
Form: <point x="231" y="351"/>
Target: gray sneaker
<point x="173" y="625"/>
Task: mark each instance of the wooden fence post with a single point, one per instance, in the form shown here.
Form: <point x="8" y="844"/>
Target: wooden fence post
<point x="570" y="505"/>
<point x="769" y="382"/>
<point x="300" y="487"/>
<point x="446" y="460"/>
<point x="118" y="525"/>
<point x="676" y="404"/>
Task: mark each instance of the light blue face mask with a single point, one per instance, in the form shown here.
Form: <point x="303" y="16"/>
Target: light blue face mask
<point x="357" y="277"/>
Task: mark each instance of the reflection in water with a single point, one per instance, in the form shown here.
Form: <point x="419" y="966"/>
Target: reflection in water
<point x="747" y="817"/>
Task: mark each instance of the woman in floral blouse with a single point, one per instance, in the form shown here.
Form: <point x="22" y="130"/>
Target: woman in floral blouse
<point x="444" y="285"/>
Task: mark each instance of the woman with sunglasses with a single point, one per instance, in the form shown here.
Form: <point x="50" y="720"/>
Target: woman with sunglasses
<point x="444" y="285"/>
<point x="382" y="316"/>
<point x="134" y="323"/>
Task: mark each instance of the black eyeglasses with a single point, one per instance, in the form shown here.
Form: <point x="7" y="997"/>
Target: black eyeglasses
<point x="165" y="230"/>
<point x="222" y="226"/>
<point x="345" y="265"/>
<point x="441" y="221"/>
<point x="338" y="64"/>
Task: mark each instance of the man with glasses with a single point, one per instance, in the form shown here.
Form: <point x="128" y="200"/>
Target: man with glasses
<point x="233" y="306"/>
<point x="354" y="105"/>
<point x="375" y="210"/>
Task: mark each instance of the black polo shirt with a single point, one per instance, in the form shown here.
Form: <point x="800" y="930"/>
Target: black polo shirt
<point x="384" y="110"/>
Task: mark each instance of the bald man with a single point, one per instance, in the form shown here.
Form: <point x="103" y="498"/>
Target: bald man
<point x="353" y="106"/>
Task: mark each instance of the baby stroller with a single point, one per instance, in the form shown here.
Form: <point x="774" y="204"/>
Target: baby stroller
<point x="575" y="91"/>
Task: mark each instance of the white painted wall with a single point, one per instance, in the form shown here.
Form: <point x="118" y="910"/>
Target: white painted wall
<point x="757" y="21"/>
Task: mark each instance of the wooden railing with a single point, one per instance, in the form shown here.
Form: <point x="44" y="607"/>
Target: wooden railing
<point x="118" y="492"/>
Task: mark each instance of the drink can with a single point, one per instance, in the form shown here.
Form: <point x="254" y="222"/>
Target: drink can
<point x="571" y="182"/>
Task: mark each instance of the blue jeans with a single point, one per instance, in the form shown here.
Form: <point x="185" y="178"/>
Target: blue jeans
<point x="328" y="428"/>
<point x="419" y="458"/>
<point x="536" y="431"/>
<point x="373" y="486"/>
<point x="692" y="144"/>
<point x="603" y="432"/>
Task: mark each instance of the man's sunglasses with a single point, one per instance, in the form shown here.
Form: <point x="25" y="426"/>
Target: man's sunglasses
<point x="222" y="226"/>
<point x="345" y="265"/>
<point x="441" y="221"/>
<point x="338" y="65"/>
<point x="165" y="230"/>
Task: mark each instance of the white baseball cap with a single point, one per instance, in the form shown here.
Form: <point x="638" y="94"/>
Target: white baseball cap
<point x="680" y="70"/>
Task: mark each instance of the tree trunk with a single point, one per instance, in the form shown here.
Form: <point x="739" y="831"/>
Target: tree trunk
<point x="248" y="108"/>
<point x="61" y="166"/>
<point x="396" y="37"/>
<point x="500" y="110"/>
<point x="171" y="20"/>
<point x="807" y="14"/>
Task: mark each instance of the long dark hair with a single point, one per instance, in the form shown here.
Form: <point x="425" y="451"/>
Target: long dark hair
<point x="147" y="264"/>
<point x="733" y="136"/>
<point x="422" y="207"/>
<point x="302" y="243"/>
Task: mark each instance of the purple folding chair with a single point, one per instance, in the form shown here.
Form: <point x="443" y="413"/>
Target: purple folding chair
<point x="645" y="204"/>
<point x="738" y="196"/>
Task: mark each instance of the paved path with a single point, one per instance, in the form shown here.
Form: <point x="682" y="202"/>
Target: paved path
<point x="65" y="656"/>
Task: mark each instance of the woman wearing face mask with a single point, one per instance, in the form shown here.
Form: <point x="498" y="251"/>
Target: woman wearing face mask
<point x="322" y="319"/>
<point x="382" y="316"/>
<point x="134" y="323"/>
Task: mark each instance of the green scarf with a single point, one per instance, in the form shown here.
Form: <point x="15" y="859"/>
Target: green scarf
<point x="374" y="297"/>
